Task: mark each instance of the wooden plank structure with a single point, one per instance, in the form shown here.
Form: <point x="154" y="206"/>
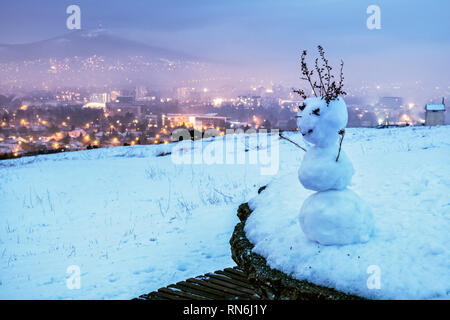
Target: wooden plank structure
<point x="227" y="284"/>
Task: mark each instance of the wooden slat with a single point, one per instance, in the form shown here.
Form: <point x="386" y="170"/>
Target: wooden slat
<point x="167" y="296"/>
<point x="231" y="285"/>
<point x="219" y="276"/>
<point x="224" y="289"/>
<point x="240" y="281"/>
<point x="177" y="295"/>
<point x="205" y="292"/>
<point x="234" y="275"/>
<point x="218" y="291"/>
<point x="186" y="294"/>
<point x="236" y="271"/>
<point x="158" y="296"/>
<point x="227" y="284"/>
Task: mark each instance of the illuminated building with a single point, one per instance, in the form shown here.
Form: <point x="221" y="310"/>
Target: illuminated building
<point x="194" y="121"/>
<point x="123" y="105"/>
<point x="434" y="114"/>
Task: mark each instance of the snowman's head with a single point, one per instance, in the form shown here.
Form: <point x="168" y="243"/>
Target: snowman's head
<point x="319" y="122"/>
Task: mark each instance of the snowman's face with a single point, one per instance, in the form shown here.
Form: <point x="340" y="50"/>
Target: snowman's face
<point x="319" y="122"/>
<point x="309" y="114"/>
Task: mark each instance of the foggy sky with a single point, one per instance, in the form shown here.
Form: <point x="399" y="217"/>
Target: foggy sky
<point x="263" y="37"/>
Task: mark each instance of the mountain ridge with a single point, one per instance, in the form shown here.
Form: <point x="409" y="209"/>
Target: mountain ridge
<point x="84" y="43"/>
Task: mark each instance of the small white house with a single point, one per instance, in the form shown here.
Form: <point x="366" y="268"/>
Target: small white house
<point x="434" y="114"/>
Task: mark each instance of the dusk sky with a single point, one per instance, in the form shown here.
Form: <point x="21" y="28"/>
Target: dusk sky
<point x="265" y="36"/>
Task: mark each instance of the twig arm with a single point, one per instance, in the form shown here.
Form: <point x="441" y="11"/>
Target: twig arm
<point x="296" y="144"/>
<point x="342" y="133"/>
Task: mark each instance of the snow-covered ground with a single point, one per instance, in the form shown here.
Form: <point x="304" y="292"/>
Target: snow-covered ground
<point x="133" y="222"/>
<point x="404" y="176"/>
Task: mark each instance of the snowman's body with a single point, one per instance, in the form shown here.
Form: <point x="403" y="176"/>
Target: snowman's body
<point x="319" y="170"/>
<point x="334" y="215"/>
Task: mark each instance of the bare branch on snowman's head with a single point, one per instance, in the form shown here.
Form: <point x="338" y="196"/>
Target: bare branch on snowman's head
<point x="327" y="87"/>
<point x="306" y="75"/>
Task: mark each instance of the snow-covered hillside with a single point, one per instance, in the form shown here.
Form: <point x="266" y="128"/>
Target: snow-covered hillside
<point x="134" y="221"/>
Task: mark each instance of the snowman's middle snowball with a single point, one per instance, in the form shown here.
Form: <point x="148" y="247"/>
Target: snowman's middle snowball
<point x="319" y="170"/>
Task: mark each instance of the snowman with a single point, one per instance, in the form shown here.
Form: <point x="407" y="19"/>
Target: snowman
<point x="334" y="214"/>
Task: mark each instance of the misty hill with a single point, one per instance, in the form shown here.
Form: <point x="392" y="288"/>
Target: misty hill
<point x="84" y="43"/>
<point x="94" y="58"/>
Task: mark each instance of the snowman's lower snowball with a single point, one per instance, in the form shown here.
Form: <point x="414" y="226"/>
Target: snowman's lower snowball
<point x="336" y="217"/>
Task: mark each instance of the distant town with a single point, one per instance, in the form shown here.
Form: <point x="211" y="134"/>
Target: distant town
<point x="78" y="119"/>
